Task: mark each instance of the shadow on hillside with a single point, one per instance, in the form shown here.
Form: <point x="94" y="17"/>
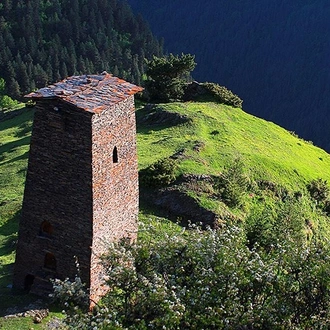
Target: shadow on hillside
<point x="6" y="116"/>
<point x="25" y="156"/>
<point x="17" y="303"/>
<point x="154" y="118"/>
<point x="9" y="231"/>
<point x="13" y="301"/>
<point x="10" y="147"/>
<point x="24" y="129"/>
<point x="147" y="206"/>
<point x="10" y="227"/>
<point x="8" y="245"/>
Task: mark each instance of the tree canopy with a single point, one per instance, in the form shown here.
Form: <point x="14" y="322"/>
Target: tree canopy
<point x="43" y="41"/>
<point x="5" y="100"/>
<point x="167" y="76"/>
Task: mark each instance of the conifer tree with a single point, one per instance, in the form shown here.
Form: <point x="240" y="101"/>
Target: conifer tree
<point x="56" y="38"/>
<point x="168" y="75"/>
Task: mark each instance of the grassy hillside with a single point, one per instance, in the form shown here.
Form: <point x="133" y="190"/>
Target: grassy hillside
<point x="203" y="138"/>
<point x="269" y="151"/>
<point x="209" y="138"/>
<point x="15" y="130"/>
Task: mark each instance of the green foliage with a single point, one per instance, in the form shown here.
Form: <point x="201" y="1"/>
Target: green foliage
<point x="6" y="102"/>
<point x="326" y="207"/>
<point x="54" y="39"/>
<point x="2" y="86"/>
<point x="272" y="188"/>
<point x="167" y="76"/>
<point x="71" y="293"/>
<point x="274" y="236"/>
<point x="232" y="183"/>
<point x="212" y="280"/>
<point x="161" y="173"/>
<point x="319" y="189"/>
<point x="320" y="192"/>
<point x="30" y="104"/>
<point x="223" y="95"/>
<point x="279" y="221"/>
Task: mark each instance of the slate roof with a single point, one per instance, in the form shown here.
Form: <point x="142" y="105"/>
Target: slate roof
<point x="92" y="93"/>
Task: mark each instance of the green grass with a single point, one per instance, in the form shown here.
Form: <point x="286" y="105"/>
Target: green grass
<point x="22" y="323"/>
<point x="26" y="323"/>
<point x="269" y="151"/>
<point x="15" y="137"/>
<point x="212" y="137"/>
<point x="14" y="146"/>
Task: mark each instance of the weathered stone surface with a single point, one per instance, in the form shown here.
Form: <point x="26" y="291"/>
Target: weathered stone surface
<point x="81" y="192"/>
<point x="57" y="190"/>
<point x="115" y="184"/>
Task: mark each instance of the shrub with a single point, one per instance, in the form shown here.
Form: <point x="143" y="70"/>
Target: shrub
<point x="159" y="174"/>
<point x="223" y="95"/>
<point x="7" y="102"/>
<point x="280" y="221"/>
<point x="232" y="183"/>
<point x="326" y="207"/>
<point x="212" y="280"/>
<point x="167" y="76"/>
<point x="274" y="188"/>
<point x="30" y="104"/>
<point x="318" y="189"/>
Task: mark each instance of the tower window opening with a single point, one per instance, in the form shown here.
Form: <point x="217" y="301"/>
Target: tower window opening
<point x="28" y="282"/>
<point x="50" y="261"/>
<point x="46" y="229"/>
<point x="115" y="155"/>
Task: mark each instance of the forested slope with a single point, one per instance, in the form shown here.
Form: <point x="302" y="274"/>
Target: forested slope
<point x="43" y="41"/>
<point x="273" y="54"/>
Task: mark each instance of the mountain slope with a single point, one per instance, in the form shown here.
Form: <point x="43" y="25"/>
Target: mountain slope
<point x="274" y="55"/>
<point x="222" y="132"/>
<point x="203" y="137"/>
<point x="204" y="140"/>
<point x="229" y="165"/>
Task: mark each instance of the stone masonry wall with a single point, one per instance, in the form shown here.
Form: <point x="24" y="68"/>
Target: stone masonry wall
<point x="58" y="190"/>
<point x="115" y="184"/>
<point x="86" y="193"/>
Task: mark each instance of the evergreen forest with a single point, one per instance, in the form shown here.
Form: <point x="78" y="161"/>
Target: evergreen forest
<point x="43" y="41"/>
<point x="273" y="54"/>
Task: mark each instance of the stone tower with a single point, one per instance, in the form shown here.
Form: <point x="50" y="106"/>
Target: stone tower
<point x="81" y="188"/>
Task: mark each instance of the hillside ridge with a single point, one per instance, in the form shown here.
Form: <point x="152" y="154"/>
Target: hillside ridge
<point x="210" y="139"/>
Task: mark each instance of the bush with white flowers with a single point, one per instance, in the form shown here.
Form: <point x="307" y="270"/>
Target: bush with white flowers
<point x="208" y="280"/>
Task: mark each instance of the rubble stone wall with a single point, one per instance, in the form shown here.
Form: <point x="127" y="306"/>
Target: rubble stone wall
<point x="81" y="193"/>
<point x="115" y="182"/>
<point x="57" y="192"/>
